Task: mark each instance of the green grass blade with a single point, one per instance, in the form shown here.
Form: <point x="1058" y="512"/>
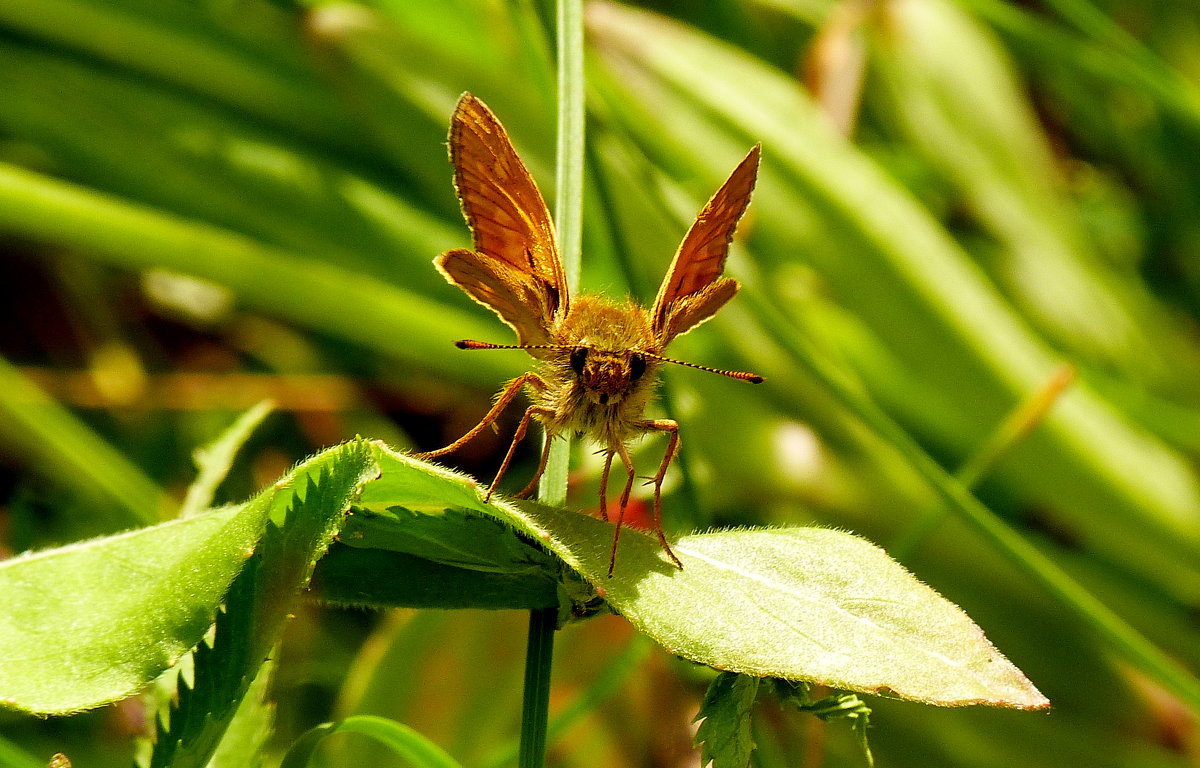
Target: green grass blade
<point x="177" y="54"/>
<point x="953" y="94"/>
<point x="199" y="160"/>
<point x="402" y="740"/>
<point x="350" y="305"/>
<point x="1128" y="63"/>
<point x="215" y="459"/>
<point x="12" y="756"/>
<point x="889" y="262"/>
<point x="56" y="444"/>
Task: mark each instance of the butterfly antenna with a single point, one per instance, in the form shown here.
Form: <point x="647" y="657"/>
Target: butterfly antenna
<point x="753" y="378"/>
<point x="472" y="344"/>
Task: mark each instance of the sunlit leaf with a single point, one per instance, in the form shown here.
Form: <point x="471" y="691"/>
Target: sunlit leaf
<point x="92" y="622"/>
<point x="796" y="603"/>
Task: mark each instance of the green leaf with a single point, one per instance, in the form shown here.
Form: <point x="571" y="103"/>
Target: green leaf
<point x="796" y="603"/>
<point x="724" y="735"/>
<point x="92" y="622"/>
<point x="817" y="605"/>
<point x="12" y="756"/>
<point x="412" y="543"/>
<point x="837" y="706"/>
<point x="450" y="536"/>
<point x="520" y="576"/>
<point x="377" y="578"/>
<point x="195" y="721"/>
<point x="263" y="596"/>
<point x="420" y="486"/>
<point x="246" y="736"/>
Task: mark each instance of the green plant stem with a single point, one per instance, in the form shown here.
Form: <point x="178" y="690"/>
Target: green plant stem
<point x="602" y="688"/>
<point x="535" y="709"/>
<point x="552" y="489"/>
<point x="1123" y="639"/>
<point x="568" y="212"/>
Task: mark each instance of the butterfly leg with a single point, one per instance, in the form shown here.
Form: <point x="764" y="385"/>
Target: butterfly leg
<point x="503" y="400"/>
<point x="608" y="457"/>
<point x="663" y="425"/>
<point x="541" y="468"/>
<point x="518" y="436"/>
<point x="623" y="452"/>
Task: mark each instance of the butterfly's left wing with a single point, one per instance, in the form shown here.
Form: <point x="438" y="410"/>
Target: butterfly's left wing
<point x="510" y="294"/>
<point x="693" y="289"/>
<point x="515" y="247"/>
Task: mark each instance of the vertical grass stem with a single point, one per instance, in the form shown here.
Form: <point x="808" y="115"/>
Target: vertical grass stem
<point x="568" y="215"/>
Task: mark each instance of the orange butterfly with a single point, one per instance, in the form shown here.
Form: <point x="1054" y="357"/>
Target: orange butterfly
<point x="597" y="359"/>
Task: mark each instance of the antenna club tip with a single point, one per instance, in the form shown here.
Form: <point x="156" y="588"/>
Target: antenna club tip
<point x="469" y="344"/>
<point x="754" y="378"/>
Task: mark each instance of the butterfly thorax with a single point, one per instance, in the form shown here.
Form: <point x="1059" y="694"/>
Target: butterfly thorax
<point x="601" y="381"/>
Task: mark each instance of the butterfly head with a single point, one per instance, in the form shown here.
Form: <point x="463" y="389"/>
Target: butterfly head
<point x="607" y="376"/>
<point x="605" y="344"/>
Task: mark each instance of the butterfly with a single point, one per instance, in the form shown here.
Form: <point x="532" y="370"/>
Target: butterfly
<point x="597" y="359"/>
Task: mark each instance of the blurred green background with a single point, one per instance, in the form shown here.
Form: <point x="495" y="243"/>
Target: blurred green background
<point x="210" y="202"/>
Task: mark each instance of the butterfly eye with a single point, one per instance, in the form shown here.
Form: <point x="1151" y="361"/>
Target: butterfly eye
<point x="578" y="358"/>
<point x="637" y="366"/>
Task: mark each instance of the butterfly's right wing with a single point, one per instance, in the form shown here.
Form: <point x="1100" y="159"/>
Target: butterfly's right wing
<point x="693" y="289"/>
<point x="515" y="268"/>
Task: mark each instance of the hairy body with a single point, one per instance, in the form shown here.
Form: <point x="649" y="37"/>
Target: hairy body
<point x="606" y="377"/>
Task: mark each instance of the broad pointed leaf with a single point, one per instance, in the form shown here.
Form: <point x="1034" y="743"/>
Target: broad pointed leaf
<point x="808" y="604"/>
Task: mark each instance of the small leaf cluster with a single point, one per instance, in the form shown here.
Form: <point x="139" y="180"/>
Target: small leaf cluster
<point x="725" y="735"/>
